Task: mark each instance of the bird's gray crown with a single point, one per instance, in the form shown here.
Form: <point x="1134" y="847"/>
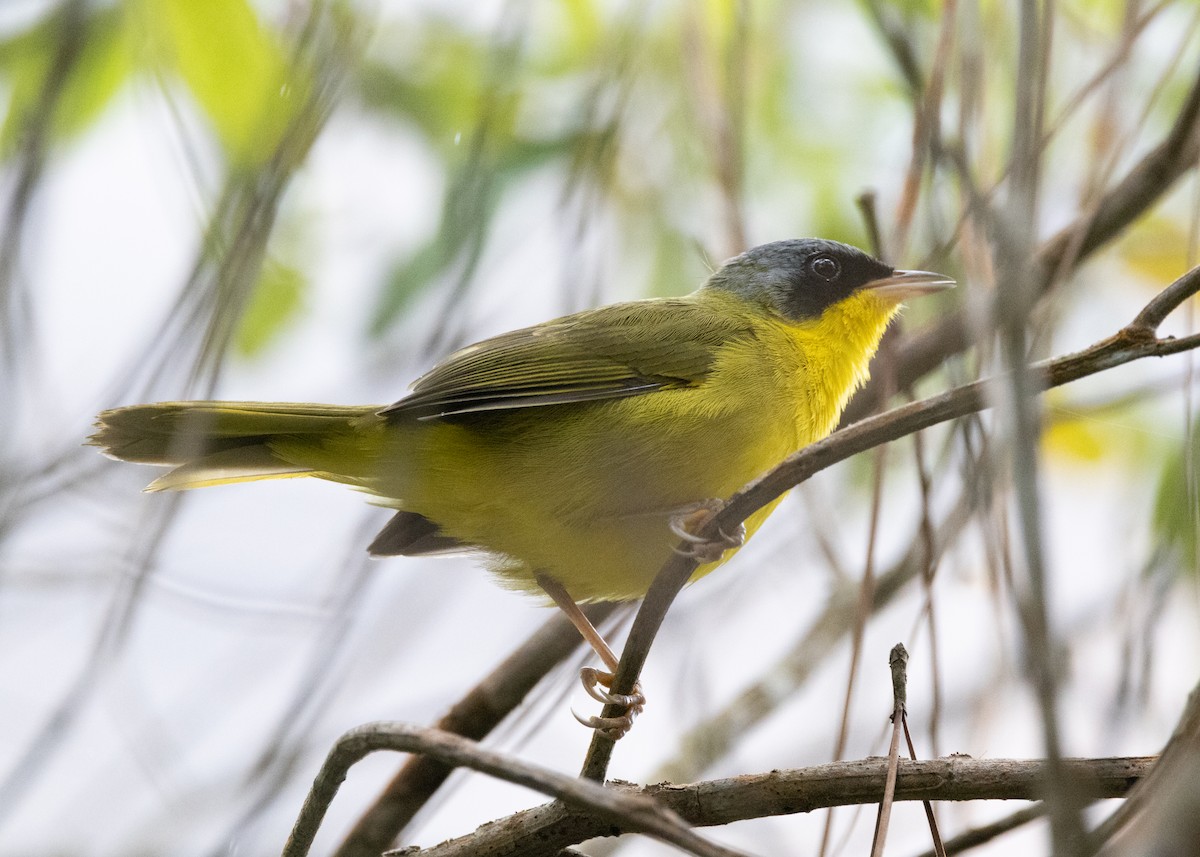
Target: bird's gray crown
<point x="799" y="278"/>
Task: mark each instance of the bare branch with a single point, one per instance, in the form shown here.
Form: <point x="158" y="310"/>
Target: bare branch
<point x="898" y="660"/>
<point x="543" y="830"/>
<point x="988" y="832"/>
<point x="635" y="813"/>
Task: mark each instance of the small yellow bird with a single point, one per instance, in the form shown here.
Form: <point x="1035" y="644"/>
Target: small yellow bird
<point x="575" y="453"/>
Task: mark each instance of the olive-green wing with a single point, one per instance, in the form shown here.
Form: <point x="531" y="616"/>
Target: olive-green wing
<point x="612" y="352"/>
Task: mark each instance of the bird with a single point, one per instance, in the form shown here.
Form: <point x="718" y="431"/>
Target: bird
<point x="574" y="455"/>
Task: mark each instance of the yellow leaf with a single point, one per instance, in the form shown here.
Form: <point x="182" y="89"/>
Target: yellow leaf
<point x="1156" y="249"/>
<point x="275" y="302"/>
<point x="1076" y="439"/>
<point x="103" y="64"/>
<point x="234" y="68"/>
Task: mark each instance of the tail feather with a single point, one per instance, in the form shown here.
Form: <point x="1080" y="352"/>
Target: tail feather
<point x="214" y="443"/>
<point x="244" y="464"/>
<point x="410" y="534"/>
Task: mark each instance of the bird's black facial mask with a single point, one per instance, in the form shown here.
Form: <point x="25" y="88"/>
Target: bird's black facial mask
<point x="799" y="279"/>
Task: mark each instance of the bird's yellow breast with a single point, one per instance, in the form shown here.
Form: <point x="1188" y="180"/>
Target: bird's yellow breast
<point x="585" y="491"/>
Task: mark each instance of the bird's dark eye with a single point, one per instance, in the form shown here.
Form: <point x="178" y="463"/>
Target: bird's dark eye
<point x="825" y="267"/>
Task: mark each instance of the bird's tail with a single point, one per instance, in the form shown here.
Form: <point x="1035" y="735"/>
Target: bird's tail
<point x="214" y="443"/>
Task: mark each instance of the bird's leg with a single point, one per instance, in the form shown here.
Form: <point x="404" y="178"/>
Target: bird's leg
<point x="593" y="679"/>
<point x="687" y="520"/>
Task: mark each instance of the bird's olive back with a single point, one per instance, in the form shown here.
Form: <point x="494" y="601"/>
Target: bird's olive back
<point x="800" y="278"/>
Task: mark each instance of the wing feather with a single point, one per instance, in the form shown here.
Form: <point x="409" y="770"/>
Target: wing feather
<point x="612" y="352"/>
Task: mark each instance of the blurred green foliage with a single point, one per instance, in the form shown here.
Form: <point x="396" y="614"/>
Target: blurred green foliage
<point x="38" y="62"/>
<point x="232" y="66"/>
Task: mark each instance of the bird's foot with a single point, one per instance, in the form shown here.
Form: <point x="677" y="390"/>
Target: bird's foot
<point x="598" y="684"/>
<point x="610" y="727"/>
<point x="689" y="519"/>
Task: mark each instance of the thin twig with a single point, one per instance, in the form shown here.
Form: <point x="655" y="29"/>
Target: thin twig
<point x="246" y="211"/>
<point x="928" y="543"/>
<point x="898" y="661"/>
<point x="862" y="612"/>
<point x="926" y="133"/>
<point x="1017" y="292"/>
<point x="868" y="208"/>
<point x="939" y="849"/>
<point x="986" y="833"/>
<point x="70" y="30"/>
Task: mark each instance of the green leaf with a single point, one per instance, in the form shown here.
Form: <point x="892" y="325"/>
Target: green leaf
<point x="103" y="64"/>
<point x="234" y="68"/>
<point x="277" y="299"/>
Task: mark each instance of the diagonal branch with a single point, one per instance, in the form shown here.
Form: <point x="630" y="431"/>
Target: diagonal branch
<point x="1162" y="815"/>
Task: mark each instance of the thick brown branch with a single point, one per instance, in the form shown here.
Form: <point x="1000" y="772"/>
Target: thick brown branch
<point x="543" y="830"/>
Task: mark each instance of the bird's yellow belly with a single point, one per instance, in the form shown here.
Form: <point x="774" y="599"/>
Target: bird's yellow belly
<point x="585" y="492"/>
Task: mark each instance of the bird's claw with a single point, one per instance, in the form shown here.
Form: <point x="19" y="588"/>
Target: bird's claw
<point x="685" y="523"/>
<point x="594" y="682"/>
<point x="610" y="727"/>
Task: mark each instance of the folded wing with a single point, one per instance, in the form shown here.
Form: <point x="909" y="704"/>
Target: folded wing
<point x="612" y="352"/>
